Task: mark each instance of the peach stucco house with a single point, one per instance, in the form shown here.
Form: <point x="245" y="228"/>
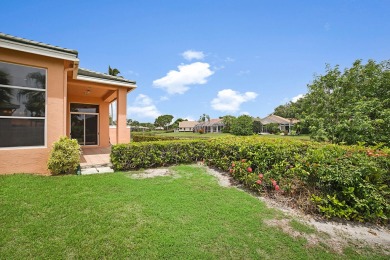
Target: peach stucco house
<point x="44" y="95"/>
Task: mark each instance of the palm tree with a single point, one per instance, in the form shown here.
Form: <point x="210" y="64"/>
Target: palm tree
<point x="204" y="117"/>
<point x="112" y="72"/>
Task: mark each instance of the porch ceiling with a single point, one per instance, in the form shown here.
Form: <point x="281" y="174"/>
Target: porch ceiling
<point x="87" y="91"/>
<point x="80" y="88"/>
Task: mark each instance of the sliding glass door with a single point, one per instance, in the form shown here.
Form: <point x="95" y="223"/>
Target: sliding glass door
<point x="84" y="125"/>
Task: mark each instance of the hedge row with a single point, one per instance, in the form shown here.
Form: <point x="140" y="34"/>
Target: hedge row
<point x="155" y="154"/>
<point x="150" y="138"/>
<point x="349" y="182"/>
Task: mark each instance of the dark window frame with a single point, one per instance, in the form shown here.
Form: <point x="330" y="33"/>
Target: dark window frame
<point x="28" y="118"/>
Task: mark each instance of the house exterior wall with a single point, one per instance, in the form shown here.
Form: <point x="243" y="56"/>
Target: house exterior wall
<point x="112" y="132"/>
<point x="34" y="159"/>
<point x="186" y="129"/>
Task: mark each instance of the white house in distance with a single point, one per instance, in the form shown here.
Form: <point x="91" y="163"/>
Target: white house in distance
<point x="212" y="126"/>
<point x="285" y="124"/>
<point x="187" y="126"/>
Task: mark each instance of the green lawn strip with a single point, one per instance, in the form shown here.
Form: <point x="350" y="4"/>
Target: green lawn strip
<point x="114" y="216"/>
<point x="191" y="135"/>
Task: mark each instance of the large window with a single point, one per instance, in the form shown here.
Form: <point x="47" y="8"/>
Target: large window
<point x="22" y="105"/>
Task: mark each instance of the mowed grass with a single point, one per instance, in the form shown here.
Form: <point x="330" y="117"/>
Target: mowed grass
<point x="187" y="216"/>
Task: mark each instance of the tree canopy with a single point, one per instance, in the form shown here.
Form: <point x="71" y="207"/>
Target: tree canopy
<point x="242" y="125"/>
<point x="204" y="117"/>
<point x="227" y="121"/>
<point x="113" y="71"/>
<point x="349" y="106"/>
<point x="163" y="120"/>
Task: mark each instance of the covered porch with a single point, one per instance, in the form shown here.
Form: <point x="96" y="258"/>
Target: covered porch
<point x="88" y="98"/>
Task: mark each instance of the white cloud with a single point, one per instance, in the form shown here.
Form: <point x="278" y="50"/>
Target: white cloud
<point x="228" y="59"/>
<point x="164" y="98"/>
<point x="193" y="55"/>
<point x="143" y="106"/>
<point x="229" y="100"/>
<point x="243" y="72"/>
<point x="244" y="113"/>
<point x="296" y="98"/>
<point x="177" y="81"/>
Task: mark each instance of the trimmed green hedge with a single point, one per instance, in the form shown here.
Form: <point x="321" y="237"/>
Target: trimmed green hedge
<point x="150" y="138"/>
<point x="155" y="154"/>
<point x="350" y="182"/>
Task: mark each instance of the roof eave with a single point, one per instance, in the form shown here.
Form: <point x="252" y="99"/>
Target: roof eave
<point x="107" y="81"/>
<point x="19" y="46"/>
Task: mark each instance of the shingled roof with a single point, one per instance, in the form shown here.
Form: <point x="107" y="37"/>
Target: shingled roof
<point x="212" y="122"/>
<point x="184" y="124"/>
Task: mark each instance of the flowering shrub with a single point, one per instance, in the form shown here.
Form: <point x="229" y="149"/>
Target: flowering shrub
<point x="242" y="171"/>
<point x="350" y="182"/>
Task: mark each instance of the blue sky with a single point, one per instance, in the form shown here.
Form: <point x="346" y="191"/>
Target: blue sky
<point x="214" y="57"/>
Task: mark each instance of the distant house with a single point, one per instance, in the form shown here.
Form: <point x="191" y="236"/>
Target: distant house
<point x="187" y="126"/>
<point x="159" y="128"/>
<point x="285" y="124"/>
<point x="212" y="126"/>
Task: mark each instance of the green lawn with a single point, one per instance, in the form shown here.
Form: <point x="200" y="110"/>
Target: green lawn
<point x="187" y="216"/>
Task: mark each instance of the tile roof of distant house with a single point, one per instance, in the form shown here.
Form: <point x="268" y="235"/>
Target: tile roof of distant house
<point x="212" y="122"/>
<point x="183" y="124"/>
<point x="18" y="40"/>
<point x="95" y="74"/>
<point x="277" y="119"/>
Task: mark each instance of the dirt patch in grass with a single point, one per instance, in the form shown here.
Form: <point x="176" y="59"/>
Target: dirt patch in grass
<point x="152" y="173"/>
<point x="335" y="235"/>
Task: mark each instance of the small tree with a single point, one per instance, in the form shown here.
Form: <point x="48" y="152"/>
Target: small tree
<point x="227" y="121"/>
<point x="273" y="128"/>
<point x="243" y="125"/>
<point x="257" y="126"/>
<point x="163" y="120"/>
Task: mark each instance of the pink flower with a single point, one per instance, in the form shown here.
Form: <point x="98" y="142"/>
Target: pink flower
<point x="249" y="169"/>
<point x="274" y="183"/>
<point x="277" y="187"/>
<point x="258" y="182"/>
<point x="243" y="160"/>
<point x="261" y="175"/>
<point x="233" y="164"/>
